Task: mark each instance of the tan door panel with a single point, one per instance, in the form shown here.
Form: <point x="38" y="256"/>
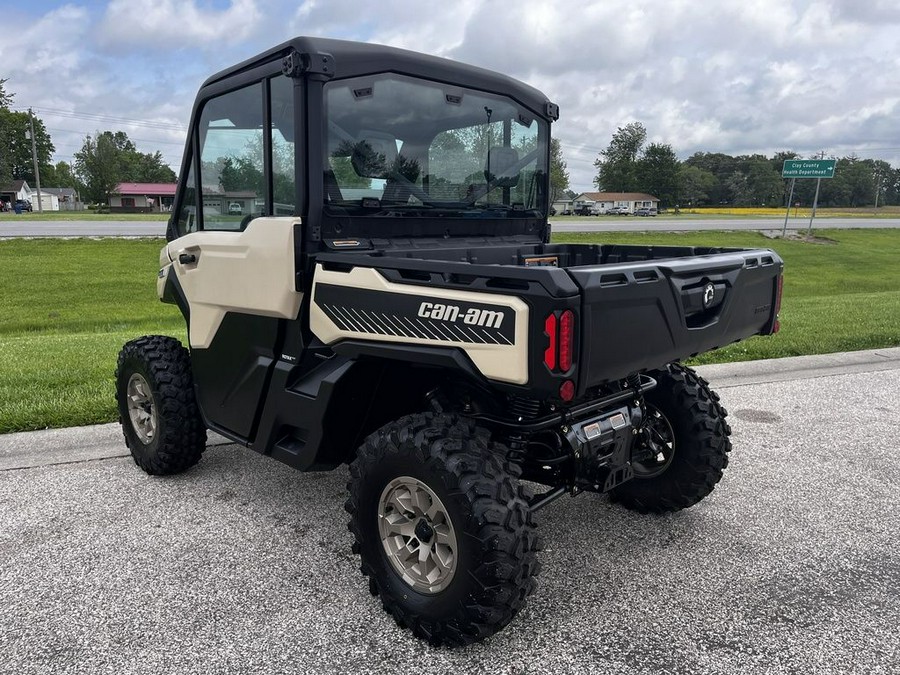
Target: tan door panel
<point x="250" y="272"/>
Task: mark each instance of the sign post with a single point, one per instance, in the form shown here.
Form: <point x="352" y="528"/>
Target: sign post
<point x="806" y="168"/>
<point x="815" y="202"/>
<point x="787" y="211"/>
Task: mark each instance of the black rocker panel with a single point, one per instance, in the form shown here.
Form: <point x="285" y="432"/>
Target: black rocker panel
<point x="231" y="375"/>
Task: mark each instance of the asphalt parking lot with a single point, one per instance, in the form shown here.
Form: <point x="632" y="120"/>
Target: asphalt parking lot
<point x="244" y="565"/>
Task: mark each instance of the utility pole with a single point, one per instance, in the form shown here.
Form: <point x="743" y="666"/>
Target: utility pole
<point x="37" y="173"/>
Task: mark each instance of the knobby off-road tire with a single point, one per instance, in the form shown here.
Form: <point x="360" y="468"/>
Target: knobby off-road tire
<point x="481" y="516"/>
<point x="157" y="409"/>
<point x="696" y="421"/>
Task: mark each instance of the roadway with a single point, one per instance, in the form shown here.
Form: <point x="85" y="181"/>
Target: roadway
<point x="662" y="224"/>
<point x="81" y="228"/>
<point x="244" y="565"/>
<point x="10" y="228"/>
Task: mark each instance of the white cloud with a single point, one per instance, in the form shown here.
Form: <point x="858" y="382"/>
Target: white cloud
<point x="714" y="75"/>
<point x="46" y="47"/>
<point x="177" y="23"/>
<point x="727" y="76"/>
<point x="423" y="26"/>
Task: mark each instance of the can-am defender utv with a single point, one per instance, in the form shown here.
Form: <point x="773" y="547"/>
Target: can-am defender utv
<point x="385" y="293"/>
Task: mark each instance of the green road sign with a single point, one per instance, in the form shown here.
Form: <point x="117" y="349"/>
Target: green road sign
<point x="808" y="168"/>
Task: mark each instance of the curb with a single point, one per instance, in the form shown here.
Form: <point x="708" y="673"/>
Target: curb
<point x="31" y="449"/>
<point x="47" y="447"/>
<point x="742" y="373"/>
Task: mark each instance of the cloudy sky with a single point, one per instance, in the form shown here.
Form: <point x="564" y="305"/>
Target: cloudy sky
<point x="735" y="76"/>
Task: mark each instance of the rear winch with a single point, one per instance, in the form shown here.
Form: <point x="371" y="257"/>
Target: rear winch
<point x="602" y="448"/>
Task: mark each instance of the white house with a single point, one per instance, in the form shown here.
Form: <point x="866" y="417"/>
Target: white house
<point x="49" y="201"/>
<point x="601" y="202"/>
<point x="63" y="198"/>
<point x="19" y="189"/>
<point x="562" y="207"/>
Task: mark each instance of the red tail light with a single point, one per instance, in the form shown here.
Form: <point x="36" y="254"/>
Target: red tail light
<point x="550" y="352"/>
<point x="566" y="339"/>
<point x="560" y="351"/>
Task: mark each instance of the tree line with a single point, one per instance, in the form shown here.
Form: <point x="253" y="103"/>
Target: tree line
<point x="105" y="159"/>
<point x="628" y="164"/>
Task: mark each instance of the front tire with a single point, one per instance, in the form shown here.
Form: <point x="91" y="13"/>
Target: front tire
<point x="686" y="445"/>
<point x="157" y="408"/>
<point x="442" y="527"/>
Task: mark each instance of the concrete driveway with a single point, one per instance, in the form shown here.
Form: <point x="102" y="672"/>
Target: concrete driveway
<point x="244" y="565"/>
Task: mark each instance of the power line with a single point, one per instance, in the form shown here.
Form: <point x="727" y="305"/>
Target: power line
<point x="130" y="138"/>
<point x="97" y="117"/>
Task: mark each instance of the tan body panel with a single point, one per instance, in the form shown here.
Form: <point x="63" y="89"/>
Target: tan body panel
<point x="251" y="272"/>
<point x="501" y="362"/>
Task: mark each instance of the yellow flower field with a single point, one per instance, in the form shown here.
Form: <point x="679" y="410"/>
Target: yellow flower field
<point x="801" y="212"/>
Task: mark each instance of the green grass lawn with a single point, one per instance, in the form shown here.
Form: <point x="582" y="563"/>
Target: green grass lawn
<point x="839" y="295"/>
<point x="66" y="307"/>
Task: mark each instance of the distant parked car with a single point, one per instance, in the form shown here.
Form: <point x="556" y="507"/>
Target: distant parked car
<point x="618" y="211"/>
<point x="645" y="211"/>
<point x="235" y="208"/>
<point x="22" y="205"/>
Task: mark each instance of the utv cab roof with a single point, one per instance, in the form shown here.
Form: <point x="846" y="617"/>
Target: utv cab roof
<point x="353" y="59"/>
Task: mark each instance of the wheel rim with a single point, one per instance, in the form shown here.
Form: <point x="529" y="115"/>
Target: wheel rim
<point x="141" y="408"/>
<point x="659" y="446"/>
<point x="417" y="535"/>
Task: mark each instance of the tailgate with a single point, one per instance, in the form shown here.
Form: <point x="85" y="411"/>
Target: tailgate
<point x="639" y="316"/>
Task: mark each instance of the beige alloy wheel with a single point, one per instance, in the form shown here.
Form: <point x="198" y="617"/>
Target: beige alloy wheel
<point x="141" y="408"/>
<point x="417" y="535"/>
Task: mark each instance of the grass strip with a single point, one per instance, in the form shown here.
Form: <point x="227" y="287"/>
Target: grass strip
<point x="8" y="216"/>
<point x="67" y="306"/>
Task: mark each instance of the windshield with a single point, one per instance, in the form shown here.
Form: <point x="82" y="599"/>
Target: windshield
<point x="400" y="146"/>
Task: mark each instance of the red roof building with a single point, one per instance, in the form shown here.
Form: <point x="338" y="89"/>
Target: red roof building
<point x="147" y="188"/>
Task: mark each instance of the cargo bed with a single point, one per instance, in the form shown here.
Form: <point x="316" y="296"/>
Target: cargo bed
<point x="638" y="307"/>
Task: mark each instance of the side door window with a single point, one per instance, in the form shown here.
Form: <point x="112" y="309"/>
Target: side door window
<point x="232" y="174"/>
<point x="187" y="215"/>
